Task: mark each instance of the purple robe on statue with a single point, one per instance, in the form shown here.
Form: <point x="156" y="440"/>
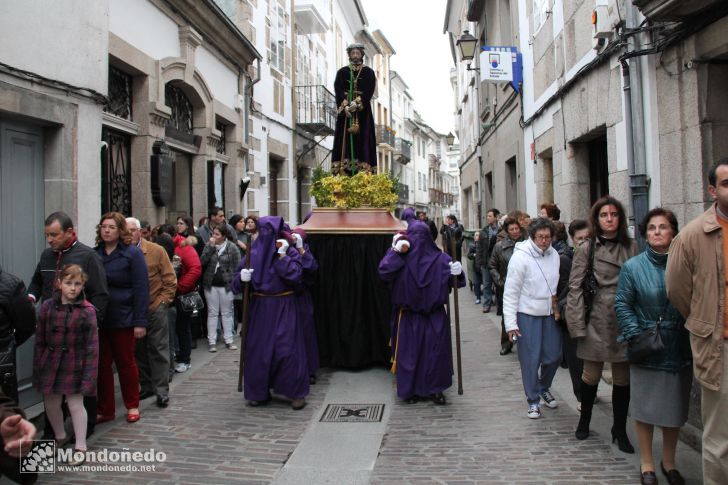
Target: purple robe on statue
<point x="421" y="343"/>
<point x="275" y="353"/>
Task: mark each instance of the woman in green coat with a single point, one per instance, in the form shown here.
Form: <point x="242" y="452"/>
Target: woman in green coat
<point x="661" y="382"/>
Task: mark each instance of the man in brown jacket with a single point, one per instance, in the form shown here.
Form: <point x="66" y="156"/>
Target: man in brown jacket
<point x="152" y="351"/>
<point x="696" y="285"/>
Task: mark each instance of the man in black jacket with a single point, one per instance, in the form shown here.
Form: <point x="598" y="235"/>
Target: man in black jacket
<point x="64" y="249"/>
<point x="422" y="216"/>
<point x="17" y="324"/>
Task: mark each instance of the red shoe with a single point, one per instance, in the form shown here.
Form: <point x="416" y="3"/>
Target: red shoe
<point x="132" y="417"/>
<point x="101" y="418"/>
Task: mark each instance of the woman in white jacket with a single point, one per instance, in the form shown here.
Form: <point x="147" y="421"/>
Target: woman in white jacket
<point x="528" y="310"/>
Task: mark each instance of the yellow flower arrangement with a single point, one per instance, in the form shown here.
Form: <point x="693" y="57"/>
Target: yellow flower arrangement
<point x="361" y="190"/>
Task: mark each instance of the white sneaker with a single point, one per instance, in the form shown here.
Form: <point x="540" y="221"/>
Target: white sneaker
<point x="549" y="400"/>
<point x="534" y="411"/>
<point x="212" y="348"/>
<point x="182" y="367"/>
<point x="231" y="346"/>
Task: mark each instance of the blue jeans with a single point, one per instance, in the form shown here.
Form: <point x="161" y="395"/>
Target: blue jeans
<point x="539" y="348"/>
<point x="487" y="286"/>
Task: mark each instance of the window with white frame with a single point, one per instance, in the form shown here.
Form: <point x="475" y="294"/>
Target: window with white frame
<point x="541" y="11"/>
<point x="278" y="37"/>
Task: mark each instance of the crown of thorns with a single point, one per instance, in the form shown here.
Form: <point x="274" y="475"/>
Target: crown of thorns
<point x="355" y="46"/>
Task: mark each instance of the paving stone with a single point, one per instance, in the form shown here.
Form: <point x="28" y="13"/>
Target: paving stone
<point x="210" y="436"/>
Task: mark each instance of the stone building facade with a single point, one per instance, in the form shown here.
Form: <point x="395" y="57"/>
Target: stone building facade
<point x="178" y="75"/>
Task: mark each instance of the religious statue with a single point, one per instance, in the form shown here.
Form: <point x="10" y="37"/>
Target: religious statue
<point x="355" y="146"/>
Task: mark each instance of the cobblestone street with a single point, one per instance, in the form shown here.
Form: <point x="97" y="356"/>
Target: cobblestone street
<point x="210" y="436"/>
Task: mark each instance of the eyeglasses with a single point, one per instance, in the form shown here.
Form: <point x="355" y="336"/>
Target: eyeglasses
<point x="110" y="227"/>
<point x="542" y="237"/>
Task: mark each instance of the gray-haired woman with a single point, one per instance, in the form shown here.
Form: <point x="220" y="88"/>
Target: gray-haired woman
<point x="528" y="309"/>
<point x="661" y="382"/>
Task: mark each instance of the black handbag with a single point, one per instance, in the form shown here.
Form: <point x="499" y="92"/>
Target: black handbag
<point x="589" y="285"/>
<point x="646" y="343"/>
<point x="191" y="302"/>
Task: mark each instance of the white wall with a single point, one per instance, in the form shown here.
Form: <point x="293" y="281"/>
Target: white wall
<point x="65" y="41"/>
<point x="145" y="27"/>
<point x="222" y="81"/>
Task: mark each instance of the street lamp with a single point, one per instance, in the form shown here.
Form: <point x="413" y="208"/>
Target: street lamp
<point x="450" y="138"/>
<point x="467" y="44"/>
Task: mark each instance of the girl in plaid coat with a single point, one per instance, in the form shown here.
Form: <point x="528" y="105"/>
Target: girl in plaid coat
<point x="66" y="354"/>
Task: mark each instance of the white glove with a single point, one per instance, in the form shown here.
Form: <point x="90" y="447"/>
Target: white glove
<point x="283" y="246"/>
<point x="456" y="268"/>
<point x="396" y="238"/>
<point x="401" y="246"/>
<point x="299" y="240"/>
<point x="246" y="274"/>
<point x="246" y="180"/>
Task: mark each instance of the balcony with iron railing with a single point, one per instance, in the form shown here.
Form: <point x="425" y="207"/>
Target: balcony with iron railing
<point x="437" y="197"/>
<point x="402" y="150"/>
<point x="385" y="135"/>
<point x="315" y="110"/>
<point x="434" y="162"/>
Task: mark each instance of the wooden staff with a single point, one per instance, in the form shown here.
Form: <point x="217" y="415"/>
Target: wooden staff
<point x="244" y="323"/>
<point x="457" y="318"/>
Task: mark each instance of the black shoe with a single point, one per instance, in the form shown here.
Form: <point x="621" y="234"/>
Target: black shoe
<point x="622" y="441"/>
<point x="312" y="380"/>
<point x="673" y="476"/>
<point x="298" y="404"/>
<point x="506" y="349"/>
<point x="412" y="400"/>
<point x="145" y="395"/>
<point x="439" y="399"/>
<point x="194" y="343"/>
<point x="162" y="401"/>
<point x="486" y="309"/>
<point x="648" y="478"/>
<point x="588" y="394"/>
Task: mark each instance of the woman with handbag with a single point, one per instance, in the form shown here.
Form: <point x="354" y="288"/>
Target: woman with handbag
<point x="220" y="260"/>
<point x="126" y="315"/>
<point x="590" y="314"/>
<point x="184" y="247"/>
<point x="658" y="347"/>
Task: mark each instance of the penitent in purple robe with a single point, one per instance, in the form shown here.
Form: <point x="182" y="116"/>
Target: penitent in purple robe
<point x="275" y="353"/>
<point x="421" y="342"/>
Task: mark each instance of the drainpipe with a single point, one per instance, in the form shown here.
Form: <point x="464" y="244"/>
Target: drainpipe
<point x="639" y="182"/>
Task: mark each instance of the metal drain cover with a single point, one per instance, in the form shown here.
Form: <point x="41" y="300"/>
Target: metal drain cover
<point x="353" y="413"/>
